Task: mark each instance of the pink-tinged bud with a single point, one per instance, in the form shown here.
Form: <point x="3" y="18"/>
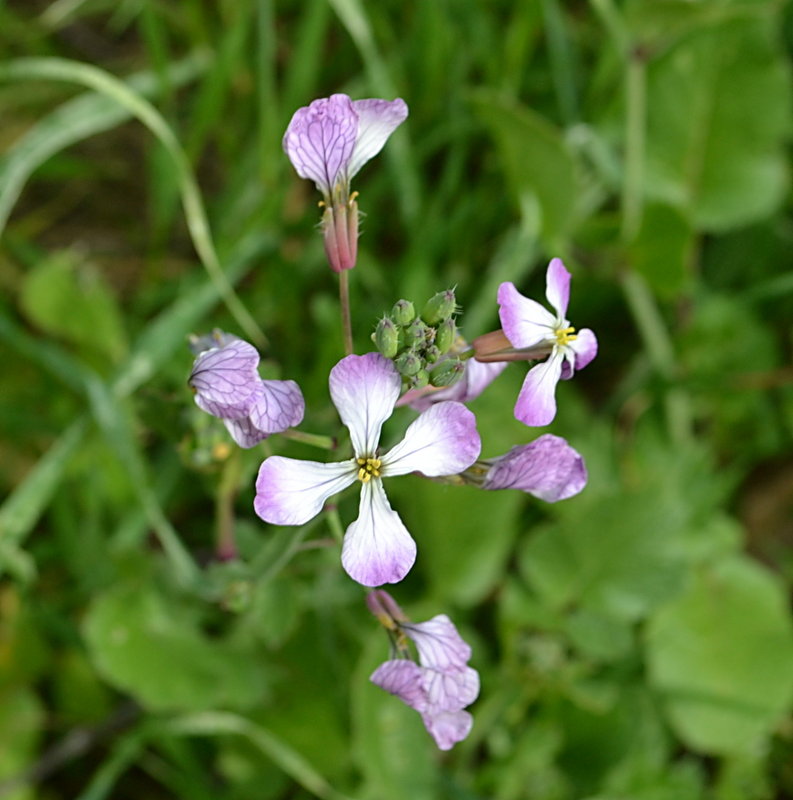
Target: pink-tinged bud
<point x="495" y="347"/>
<point x="340" y="232"/>
<point x="385" y="608"/>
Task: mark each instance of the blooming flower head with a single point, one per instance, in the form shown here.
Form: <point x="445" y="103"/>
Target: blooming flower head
<point x="442" y="684"/>
<point x="531" y="329"/>
<point x="227" y="385"/>
<point x="328" y="142"/>
<point x="547" y="468"/>
<point x="377" y="547"/>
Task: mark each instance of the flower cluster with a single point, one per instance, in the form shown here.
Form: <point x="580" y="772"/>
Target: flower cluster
<point x="422" y="363"/>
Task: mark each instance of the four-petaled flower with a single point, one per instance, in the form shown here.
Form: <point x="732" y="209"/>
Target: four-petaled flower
<point x="442" y="684"/>
<point x="227" y="385"/>
<point x="327" y="142"/>
<point x="377" y="547"/>
<point x="529" y="326"/>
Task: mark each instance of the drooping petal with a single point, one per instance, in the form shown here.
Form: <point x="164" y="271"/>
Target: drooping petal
<point x="448" y="728"/>
<point x="585" y="347"/>
<point x="438" y="643"/>
<point x="278" y="405"/>
<point x="377" y="120"/>
<point x="536" y="404"/>
<point x="244" y="432"/>
<point x="377" y="547"/>
<point x="225" y="379"/>
<point x="291" y="492"/>
<point x="364" y="389"/>
<point x="442" y="441"/>
<point x="450" y="690"/>
<point x="404" y="679"/>
<point x="557" y="286"/>
<point x="548" y="468"/>
<point x="476" y="378"/>
<point x="320" y="140"/>
<point x="525" y="322"/>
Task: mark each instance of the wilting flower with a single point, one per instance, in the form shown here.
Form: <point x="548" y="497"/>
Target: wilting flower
<point x="475" y="379"/>
<point x="531" y="332"/>
<point x="328" y="142"/>
<point x="442" y="684"/>
<point x="547" y="468"/>
<point x="227" y="385"/>
<point x="377" y="547"/>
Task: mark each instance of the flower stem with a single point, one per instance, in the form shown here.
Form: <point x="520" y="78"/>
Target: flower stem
<point x="314" y="439"/>
<point x="226" y="545"/>
<point x="334" y="522"/>
<point x="344" y="301"/>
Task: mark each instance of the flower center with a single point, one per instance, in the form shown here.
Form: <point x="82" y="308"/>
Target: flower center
<point x="565" y="335"/>
<point x="368" y="468"/>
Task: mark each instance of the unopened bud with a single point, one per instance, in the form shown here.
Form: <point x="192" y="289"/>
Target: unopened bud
<point x="420" y="379"/>
<point x="386" y="337"/>
<point x="447" y="372"/>
<point x="408" y="364"/>
<point x="403" y="312"/>
<point x="415" y="334"/>
<point x="439" y="308"/>
<point x="445" y="335"/>
<point x="432" y="354"/>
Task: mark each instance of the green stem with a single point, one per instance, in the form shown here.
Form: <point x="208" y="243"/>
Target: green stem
<point x="344" y="302"/>
<point x="226" y="546"/>
<point x="635" y="126"/>
<point x="334" y="523"/>
<point x="313" y="439"/>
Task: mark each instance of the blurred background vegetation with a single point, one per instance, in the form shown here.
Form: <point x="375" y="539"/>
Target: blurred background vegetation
<point x="635" y="642"/>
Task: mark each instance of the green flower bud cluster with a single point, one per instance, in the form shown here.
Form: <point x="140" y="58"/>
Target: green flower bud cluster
<point x="419" y="344"/>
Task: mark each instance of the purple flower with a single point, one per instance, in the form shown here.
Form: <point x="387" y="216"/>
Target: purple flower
<point x="530" y="326"/>
<point x="475" y="379"/>
<point x="548" y="468"/>
<point x="227" y="385"/>
<point x="328" y="142"/>
<point x="377" y="547"/>
<point x="442" y="684"/>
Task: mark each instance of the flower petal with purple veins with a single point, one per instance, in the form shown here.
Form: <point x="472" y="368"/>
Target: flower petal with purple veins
<point x="450" y="690"/>
<point x="448" y="728"/>
<point x="536" y="403"/>
<point x="320" y="140"/>
<point x="225" y="379"/>
<point x="442" y="441"/>
<point x="291" y="492"/>
<point x="557" y="287"/>
<point x="377" y="547"/>
<point x="402" y="678"/>
<point x="278" y="405"/>
<point x="439" y="644"/>
<point x="244" y="432"/>
<point x="547" y="468"/>
<point x="364" y="389"/>
<point x="525" y="322"/>
<point x="377" y="120"/>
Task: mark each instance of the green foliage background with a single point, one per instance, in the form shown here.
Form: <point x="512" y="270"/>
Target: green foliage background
<point x="634" y="642"/>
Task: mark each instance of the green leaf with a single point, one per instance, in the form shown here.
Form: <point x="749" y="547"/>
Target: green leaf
<point x="722" y="657"/>
<point x="21" y="720"/>
<point x="718" y="118"/>
<point x="152" y="648"/>
<point x="534" y="159"/>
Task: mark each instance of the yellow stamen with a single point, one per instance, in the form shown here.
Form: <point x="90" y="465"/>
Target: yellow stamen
<point x="565" y="335"/>
<point x="368" y="468"/>
<point x="352" y="199"/>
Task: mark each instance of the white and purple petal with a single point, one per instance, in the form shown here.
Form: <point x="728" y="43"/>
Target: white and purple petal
<point x="557" y="287"/>
<point x="244" y="432"/>
<point x="585" y="347"/>
<point x="536" y="403"/>
<point x="442" y="441"/>
<point x="439" y="644"/>
<point x="447" y="727"/>
<point x="320" y="140"/>
<point x="450" y="690"/>
<point x="365" y="389"/>
<point x="377" y="120"/>
<point x="225" y="379"/>
<point x="402" y="678"/>
<point x="377" y="547"/>
<point x="291" y="492"/>
<point x="525" y="322"/>
<point x="278" y="405"/>
<point x="547" y="468"/>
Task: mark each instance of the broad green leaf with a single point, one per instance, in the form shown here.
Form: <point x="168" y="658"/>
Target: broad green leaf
<point x="534" y="159"/>
<point x="152" y="648"/>
<point x="721" y="656"/>
<point x="718" y="118"/>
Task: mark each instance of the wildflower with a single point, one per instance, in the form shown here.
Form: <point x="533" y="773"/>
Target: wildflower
<point x="377" y="547"/>
<point x="530" y="331"/>
<point x="328" y="142"/>
<point x="547" y="468"/>
<point x="442" y="684"/>
<point x="227" y="385"/>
